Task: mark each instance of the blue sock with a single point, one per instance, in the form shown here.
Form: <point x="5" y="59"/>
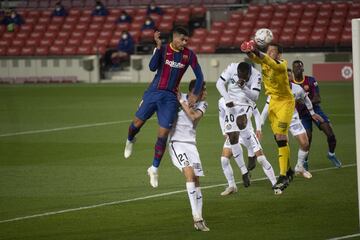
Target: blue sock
<point x="132" y="131"/>
<point x="160" y="147"/>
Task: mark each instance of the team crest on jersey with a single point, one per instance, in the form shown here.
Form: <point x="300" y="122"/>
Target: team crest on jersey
<point x="185" y="57"/>
<point x="228" y="126"/>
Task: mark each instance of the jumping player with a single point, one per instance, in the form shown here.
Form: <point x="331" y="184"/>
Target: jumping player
<point x="170" y="61"/>
<point x="282" y="104"/>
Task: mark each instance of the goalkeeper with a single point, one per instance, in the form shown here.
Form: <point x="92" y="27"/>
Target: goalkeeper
<point x="282" y="104"/>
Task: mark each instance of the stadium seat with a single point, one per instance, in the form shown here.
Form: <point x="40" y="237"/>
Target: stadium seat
<point x="239" y="39"/>
<point x="247" y="24"/>
<point x="182" y="19"/>
<point x="326" y="7"/>
<point x="17" y="43"/>
<point x="309" y="15"/>
<point x="126" y="26"/>
<point x="198" y="12"/>
<point x="147" y="36"/>
<point x="194" y="47"/>
<point x="332" y="39"/>
<point x="353" y="13"/>
<point x="306" y="22"/>
<point x="53" y="28"/>
<point x="316" y="39"/>
<point x="73" y="19"/>
<point x="212" y="39"/>
<point x="3" y="51"/>
<point x="286" y="39"/>
<point x="77" y="3"/>
<point x="57" y="20"/>
<point x="85" y="50"/>
<point x="196" y="40"/>
<point x="254" y="9"/>
<point x="75" y="12"/>
<point x="200" y="32"/>
<point x="41" y="51"/>
<point x="64" y="34"/>
<point x="319" y="30"/>
<point x="277" y="23"/>
<point x="218" y="25"/>
<point x="165" y="27"/>
<point x="301" y="39"/>
<point x="280" y="16"/>
<point x="265" y="15"/>
<point x="251" y="16"/>
<point x="14" y="51"/>
<point x="346" y="39"/>
<point x="28" y="51"/>
<point x="5" y="43"/>
<point x="281" y="8"/>
<point x="22" y="35"/>
<point x="268" y="8"/>
<point x="226" y="40"/>
<point x="321" y="22"/>
<point x="324" y="14"/>
<point x="207" y="48"/>
<point x="46" y="42"/>
<point x="70" y="50"/>
<point x="232" y="25"/>
<point x="74" y="42"/>
<point x="236" y="16"/>
<point x="60" y="42"/>
<point x="297" y="7"/>
<point x="95" y="26"/>
<point x="309" y="7"/>
<point x="294" y="16"/>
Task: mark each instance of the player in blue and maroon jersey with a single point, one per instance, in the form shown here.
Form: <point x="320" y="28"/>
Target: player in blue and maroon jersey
<point x="310" y="85"/>
<point x="170" y="61"/>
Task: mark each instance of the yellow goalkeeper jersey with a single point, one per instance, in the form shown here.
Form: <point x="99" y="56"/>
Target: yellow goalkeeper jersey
<point x="275" y="78"/>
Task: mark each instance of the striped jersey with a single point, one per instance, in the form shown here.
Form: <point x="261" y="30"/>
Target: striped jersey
<point x="171" y="66"/>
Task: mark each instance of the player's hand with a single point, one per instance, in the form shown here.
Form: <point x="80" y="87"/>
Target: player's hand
<point x="258" y="134"/>
<point x="241" y="83"/>
<point x="317" y="118"/>
<point x="248" y="46"/>
<point x="157" y="39"/>
<point x="192" y="99"/>
<point x="230" y="104"/>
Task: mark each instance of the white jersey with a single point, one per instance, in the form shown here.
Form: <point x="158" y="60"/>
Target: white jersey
<point x="235" y="93"/>
<point x="184" y="130"/>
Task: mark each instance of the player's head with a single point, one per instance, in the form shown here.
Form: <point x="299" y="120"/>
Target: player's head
<point x="298" y="68"/>
<point x="244" y="71"/>
<point x="180" y="38"/>
<point x="290" y="75"/>
<point x="203" y="92"/>
<point x="274" y="51"/>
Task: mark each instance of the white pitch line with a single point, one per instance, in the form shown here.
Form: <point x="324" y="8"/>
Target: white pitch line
<point x="102" y="124"/>
<point x="136" y="199"/>
<point x="345" y="237"/>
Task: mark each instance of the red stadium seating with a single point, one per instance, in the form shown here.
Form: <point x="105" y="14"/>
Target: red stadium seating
<point x="316" y="39"/>
<point x="226" y="40"/>
<point x="301" y="39"/>
<point x="42" y="51"/>
<point x="332" y="39"/>
<point x="207" y="48"/>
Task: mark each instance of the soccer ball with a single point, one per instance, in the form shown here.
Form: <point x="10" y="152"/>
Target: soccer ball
<point x="263" y="37"/>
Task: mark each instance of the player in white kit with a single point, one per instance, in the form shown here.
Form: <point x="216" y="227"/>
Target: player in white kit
<point x="296" y="128"/>
<point x="184" y="154"/>
<point x="240" y="85"/>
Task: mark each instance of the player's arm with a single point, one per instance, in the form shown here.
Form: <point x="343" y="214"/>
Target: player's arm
<point x="222" y="118"/>
<point x="265" y="111"/>
<point x="257" y="117"/>
<point x="156" y="57"/>
<point x="309" y="106"/>
<point x="316" y="99"/>
<point x="221" y="86"/>
<point x="199" y="79"/>
<point x="194" y="114"/>
<point x="254" y="91"/>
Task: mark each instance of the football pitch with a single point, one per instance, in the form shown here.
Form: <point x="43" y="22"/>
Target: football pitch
<point x="63" y="174"/>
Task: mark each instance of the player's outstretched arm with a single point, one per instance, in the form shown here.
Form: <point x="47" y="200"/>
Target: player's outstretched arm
<point x="155" y="59"/>
<point x="199" y="79"/>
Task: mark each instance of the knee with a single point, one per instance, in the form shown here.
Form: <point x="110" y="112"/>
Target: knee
<point x="281" y="143"/>
<point x="233" y="138"/>
<point x="225" y="161"/>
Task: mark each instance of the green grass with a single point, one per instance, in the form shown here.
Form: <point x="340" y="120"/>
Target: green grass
<point x="43" y="172"/>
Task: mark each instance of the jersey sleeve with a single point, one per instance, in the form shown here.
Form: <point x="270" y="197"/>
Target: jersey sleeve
<point x="198" y="73"/>
<point x="221" y="115"/>
<point x="202" y="106"/>
<point x="279" y="66"/>
<point x="156" y="59"/>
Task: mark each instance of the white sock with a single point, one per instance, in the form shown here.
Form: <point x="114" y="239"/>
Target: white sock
<point x="228" y="171"/>
<point x="331" y="154"/>
<point x="239" y="158"/>
<point x="199" y="201"/>
<point x="190" y="187"/>
<point x="267" y="168"/>
<point x="302" y="155"/>
<point x="154" y="169"/>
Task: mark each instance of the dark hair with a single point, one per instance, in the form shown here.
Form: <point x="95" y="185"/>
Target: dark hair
<point x="244" y="67"/>
<point x="298" y="61"/>
<point x="192" y="85"/>
<point x="181" y="30"/>
<point x="289" y="70"/>
<point x="278" y="46"/>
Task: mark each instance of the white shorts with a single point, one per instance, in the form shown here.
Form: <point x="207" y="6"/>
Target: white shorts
<point x="231" y="115"/>
<point x="296" y="128"/>
<point x="184" y="155"/>
<point x="251" y="148"/>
